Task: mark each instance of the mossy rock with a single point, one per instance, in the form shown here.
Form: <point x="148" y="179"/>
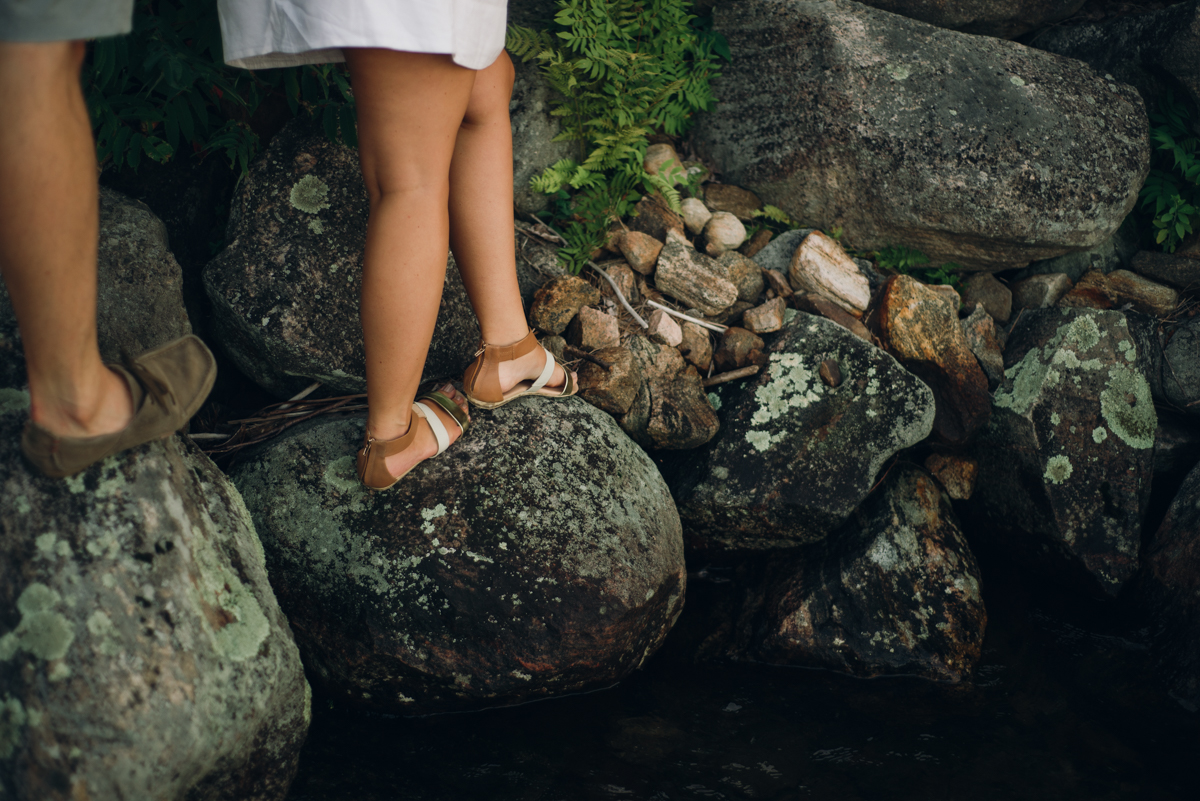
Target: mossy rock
<point x="795" y="457"/>
<point x="1066" y="461"/>
<point x="540" y="555"/>
<point x="142" y="653"/>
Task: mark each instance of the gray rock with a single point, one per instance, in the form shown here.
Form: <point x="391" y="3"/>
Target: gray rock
<point x="1113" y="253"/>
<point x="980" y="331"/>
<point x="1066" y="462"/>
<point x="826" y="112"/>
<point x="745" y="274"/>
<point x="987" y="290"/>
<point x="794" y="458"/>
<point x="1040" y="291"/>
<point x="1152" y="52"/>
<point x="139" y="302"/>
<point x="896" y="592"/>
<point x="1001" y="18"/>
<point x="541" y="555"/>
<point x="1178" y="271"/>
<point x="142" y="652"/>
<point x="777" y="255"/>
<point x="1181" y="367"/>
<point x="533" y="131"/>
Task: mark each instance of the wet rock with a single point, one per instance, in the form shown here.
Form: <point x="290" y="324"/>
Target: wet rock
<point x="923" y="332"/>
<point x="696" y="346"/>
<point x="661" y="159"/>
<point x="654" y="218"/>
<point x="285" y="291"/>
<point x="980" y="332"/>
<point x="1065" y="464"/>
<point x="558" y="301"/>
<point x="996" y="298"/>
<point x="611" y="390"/>
<point x="1005" y="19"/>
<point x="795" y="458"/>
<point x="766" y="318"/>
<point x="1142" y="294"/>
<point x="1091" y="292"/>
<point x="833" y="96"/>
<point x="142" y="652"/>
<point x="139" y="289"/>
<point x="756" y="243"/>
<point x="693" y="278"/>
<point x="1169" y="592"/>
<point x="640" y="250"/>
<point x="533" y="132"/>
<point x="739" y="202"/>
<point x="739" y="348"/>
<point x="816" y="304"/>
<point x="1040" y="291"/>
<point x="1181" y="367"/>
<point x="671" y="411"/>
<point x="744" y="273"/>
<point x="820" y="266"/>
<point x="663" y="329"/>
<point x="723" y="232"/>
<point x="593" y="329"/>
<point x="539" y="556"/>
<point x="1178" y="271"/>
<point x="896" y="592"/>
<point x="956" y="473"/>
<point x="695" y="215"/>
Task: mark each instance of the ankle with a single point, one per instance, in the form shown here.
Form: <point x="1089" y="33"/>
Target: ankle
<point x="387" y="430"/>
<point x="98" y="402"/>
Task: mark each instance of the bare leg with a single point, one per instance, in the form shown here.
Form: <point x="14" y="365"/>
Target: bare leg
<point x="409" y="109"/>
<point x="48" y="233"/>
<point x="481" y="220"/>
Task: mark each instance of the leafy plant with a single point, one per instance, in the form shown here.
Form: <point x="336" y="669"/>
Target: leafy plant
<point x="908" y="261"/>
<point x="164" y="89"/>
<point x="624" y="69"/>
<point x="1172" y="189"/>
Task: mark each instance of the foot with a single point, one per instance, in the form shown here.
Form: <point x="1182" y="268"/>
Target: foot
<point x="527" y="368"/>
<point x="426" y="445"/>
<point x="107" y="408"/>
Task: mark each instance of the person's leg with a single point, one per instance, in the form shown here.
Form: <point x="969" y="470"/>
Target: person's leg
<point x="48" y="239"/>
<point x="410" y="106"/>
<point x="481" y="220"/>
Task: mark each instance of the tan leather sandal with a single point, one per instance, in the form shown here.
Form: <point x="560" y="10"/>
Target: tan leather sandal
<point x="167" y="384"/>
<point x="481" y="381"/>
<point x="371" y="464"/>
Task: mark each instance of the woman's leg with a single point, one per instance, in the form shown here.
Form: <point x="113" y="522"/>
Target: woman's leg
<point x="410" y="106"/>
<point x="481" y="220"/>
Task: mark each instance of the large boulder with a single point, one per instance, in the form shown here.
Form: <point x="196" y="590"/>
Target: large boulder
<point x="1066" y="462"/>
<point x="533" y="132"/>
<point x="897" y="591"/>
<point x="1001" y="18"/>
<point x="1152" y="52"/>
<point x="541" y="555"/>
<point x="795" y="456"/>
<point x="139" y="289"/>
<point x="828" y="111"/>
<point x="1169" y="590"/>
<point x="142" y="653"/>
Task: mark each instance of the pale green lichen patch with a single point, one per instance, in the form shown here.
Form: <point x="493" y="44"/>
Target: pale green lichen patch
<point x="12" y="721"/>
<point x="316" y="227"/>
<point x="1127" y="407"/>
<point x="310" y="194"/>
<point x="13" y="401"/>
<point x="1099" y="434"/>
<point x="1058" y="469"/>
<point x="714" y="400"/>
<point x="42" y="631"/>
<point x="791" y="386"/>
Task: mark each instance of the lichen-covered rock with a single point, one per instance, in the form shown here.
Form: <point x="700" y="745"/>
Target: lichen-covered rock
<point x="541" y="555"/>
<point x="825" y="112"/>
<point x="139" y="289"/>
<point x="1066" y="462"/>
<point x="1181" y="367"/>
<point x="1001" y="18"/>
<point x="142" y="653"/>
<point x="285" y="290"/>
<point x="533" y="132"/>
<point x="557" y="302"/>
<point x="895" y="592"/>
<point x="1169" y="591"/>
<point x="794" y="457"/>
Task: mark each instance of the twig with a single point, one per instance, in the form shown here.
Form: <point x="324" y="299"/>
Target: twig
<point x="206" y="435"/>
<point x="583" y="354"/>
<point x="720" y="329"/>
<point x="302" y="394"/>
<point x="732" y="375"/>
<point x="620" y="295"/>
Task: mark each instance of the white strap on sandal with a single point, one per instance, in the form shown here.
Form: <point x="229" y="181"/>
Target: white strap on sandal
<point x="435" y="425"/>
<point x="547" y="372"/>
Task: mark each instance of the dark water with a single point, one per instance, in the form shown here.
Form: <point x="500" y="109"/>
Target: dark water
<point x="1064" y="705"/>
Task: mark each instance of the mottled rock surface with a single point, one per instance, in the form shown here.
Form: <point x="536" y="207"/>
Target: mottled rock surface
<point x="533" y="132"/>
<point x="557" y="302"/>
<point x="895" y="592"/>
<point x="987" y="290"/>
<point x="825" y="113"/>
<point x="956" y="473"/>
<point x="1001" y="18"/>
<point x="671" y="410"/>
<point x="142" y="652"/>
<point x="1040" y="291"/>
<point x="745" y="274"/>
<point x="1181" y="367"/>
<point x="980" y="332"/>
<point x="739" y="202"/>
<point x="794" y="457"/>
<point x="1066" y="462"/>
<point x="739" y="348"/>
<point x="612" y="390"/>
<point x="1148" y="297"/>
<point x="723" y="232"/>
<point x="139" y="298"/>
<point x="1178" y="271"/>
<point x="693" y="278"/>
<point x="821" y="266"/>
<point x="541" y="555"/>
